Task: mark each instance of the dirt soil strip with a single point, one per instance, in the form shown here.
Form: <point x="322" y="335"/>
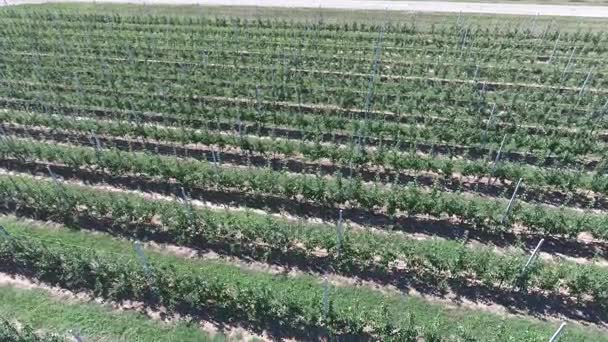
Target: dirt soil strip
<point x="236" y="158"/>
<point x="210" y="327"/>
<point x="448" y="299"/>
<point x="583" y="250"/>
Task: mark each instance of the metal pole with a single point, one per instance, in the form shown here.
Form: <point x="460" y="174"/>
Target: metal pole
<point x="506" y="214"/>
<point x="555" y="336"/>
<point x="76" y="337"/>
<point x="94" y="141"/>
<point x="4" y="233"/>
<point x="585" y="83"/>
<point x="569" y="61"/>
<point x="325" y="297"/>
<point x="534" y="23"/>
<point x="498" y="155"/>
<point x="485" y="133"/>
<point x="534" y="252"/>
<point x="340" y="232"/>
<point x="476" y="72"/>
<point x="559" y="34"/>
<point x="372" y="80"/>
<point x="187" y="204"/>
<point x="53" y="175"/>
<point x="142" y="259"/>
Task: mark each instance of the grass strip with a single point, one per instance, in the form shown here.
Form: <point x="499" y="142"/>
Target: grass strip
<point x="94" y="322"/>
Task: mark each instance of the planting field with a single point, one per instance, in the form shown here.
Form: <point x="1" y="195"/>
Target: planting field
<point x="194" y="178"/>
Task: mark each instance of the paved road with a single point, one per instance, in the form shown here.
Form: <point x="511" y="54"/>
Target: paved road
<point x="416" y="6"/>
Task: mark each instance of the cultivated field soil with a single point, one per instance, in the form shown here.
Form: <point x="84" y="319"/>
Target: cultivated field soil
<point x="218" y="176"/>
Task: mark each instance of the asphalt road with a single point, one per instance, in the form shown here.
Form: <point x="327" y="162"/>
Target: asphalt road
<point x="397" y="5"/>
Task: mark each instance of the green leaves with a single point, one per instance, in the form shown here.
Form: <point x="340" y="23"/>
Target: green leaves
<point x="265" y="238"/>
<point x="24" y="333"/>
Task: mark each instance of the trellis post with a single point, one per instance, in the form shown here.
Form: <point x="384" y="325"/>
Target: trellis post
<point x="534" y="254"/>
<point x="187" y="204"/>
<point x="76" y="336"/>
<point x="340" y="232"/>
<point x="497" y="159"/>
<point x="4" y="233"/>
<point x="143" y="260"/>
<point x="488" y="124"/>
<point x="57" y="181"/>
<point x="585" y="83"/>
<point x="476" y="73"/>
<point x="95" y="141"/>
<point x="559" y="34"/>
<point x="569" y="62"/>
<point x="325" y="297"/>
<point x="559" y="331"/>
<point x="506" y="214"/>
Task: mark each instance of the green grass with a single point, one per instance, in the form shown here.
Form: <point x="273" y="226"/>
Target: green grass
<point x="421" y="20"/>
<point x="94" y="322"/>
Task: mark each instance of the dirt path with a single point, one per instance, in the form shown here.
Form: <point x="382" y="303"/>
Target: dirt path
<point x="413" y="6"/>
